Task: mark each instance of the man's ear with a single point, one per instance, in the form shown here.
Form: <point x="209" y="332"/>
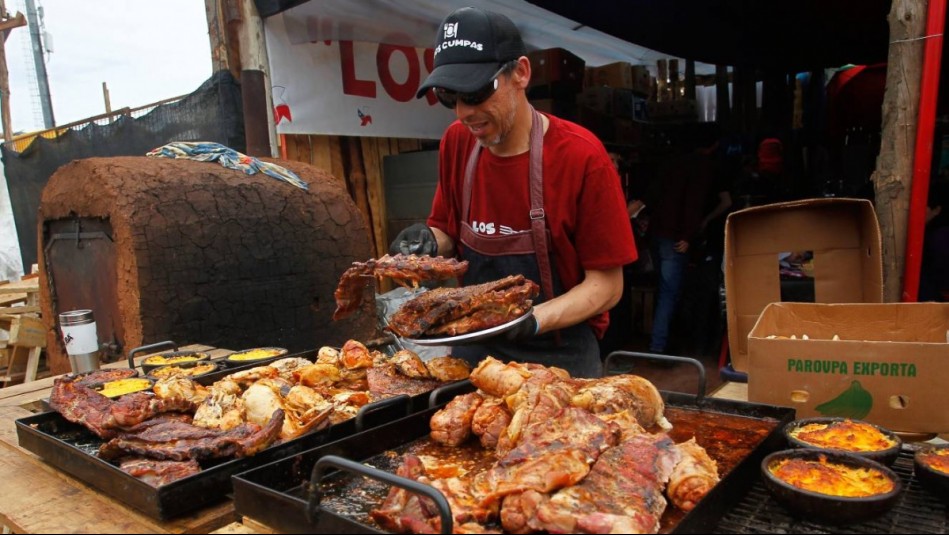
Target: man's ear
<point x="521" y="76"/>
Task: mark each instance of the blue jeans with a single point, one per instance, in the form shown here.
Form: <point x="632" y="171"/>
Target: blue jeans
<point x="672" y="266"/>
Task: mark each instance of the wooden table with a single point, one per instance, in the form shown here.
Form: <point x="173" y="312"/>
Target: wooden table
<point x="38" y="498"/>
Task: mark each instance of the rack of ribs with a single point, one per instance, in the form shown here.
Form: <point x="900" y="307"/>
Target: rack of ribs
<point x="406" y="270"/>
<point x="454" y="311"/>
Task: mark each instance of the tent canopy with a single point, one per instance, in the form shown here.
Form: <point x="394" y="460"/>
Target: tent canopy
<point x="781" y="35"/>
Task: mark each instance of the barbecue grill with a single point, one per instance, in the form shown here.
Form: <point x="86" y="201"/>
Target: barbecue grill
<point x="74" y="449"/>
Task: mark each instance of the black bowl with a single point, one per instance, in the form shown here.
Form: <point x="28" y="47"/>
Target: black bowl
<point x="935" y="480"/>
<point x="886" y="456"/>
<point x="258" y="356"/>
<point x="825" y="507"/>
<point x="191" y="368"/>
<point x="153" y="362"/>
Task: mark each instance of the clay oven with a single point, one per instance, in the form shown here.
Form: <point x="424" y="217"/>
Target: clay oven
<point x="194" y="252"/>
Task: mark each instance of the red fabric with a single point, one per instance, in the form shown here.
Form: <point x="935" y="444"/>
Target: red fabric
<point x="583" y="199"/>
<point x="770" y="156"/>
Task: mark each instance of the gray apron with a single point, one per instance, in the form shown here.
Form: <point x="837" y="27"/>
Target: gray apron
<point x="490" y="258"/>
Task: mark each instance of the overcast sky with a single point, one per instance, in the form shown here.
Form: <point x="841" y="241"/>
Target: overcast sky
<point x="144" y="50"/>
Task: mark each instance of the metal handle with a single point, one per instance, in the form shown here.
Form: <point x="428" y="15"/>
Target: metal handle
<point x="150" y="347"/>
<point x="315" y="495"/>
<point x="666" y="358"/>
<point x="376" y="406"/>
<point x="450" y="390"/>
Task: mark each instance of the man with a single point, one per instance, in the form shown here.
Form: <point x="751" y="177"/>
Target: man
<point x="520" y="192"/>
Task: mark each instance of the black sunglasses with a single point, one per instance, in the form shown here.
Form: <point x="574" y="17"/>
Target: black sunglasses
<point x="450" y="98"/>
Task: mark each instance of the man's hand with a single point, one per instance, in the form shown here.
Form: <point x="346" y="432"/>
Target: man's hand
<point x="416" y="239"/>
<point x="524" y="330"/>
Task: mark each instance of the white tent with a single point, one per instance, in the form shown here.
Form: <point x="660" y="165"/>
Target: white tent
<point x="11" y="266"/>
<point x="414" y="23"/>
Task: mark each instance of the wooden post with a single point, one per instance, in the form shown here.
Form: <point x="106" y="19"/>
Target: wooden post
<point x="6" y="24"/>
<point x="893" y="175"/>
<point x="108" y="103"/>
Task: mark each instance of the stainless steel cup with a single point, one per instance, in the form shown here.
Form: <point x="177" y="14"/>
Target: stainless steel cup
<point x="82" y="342"/>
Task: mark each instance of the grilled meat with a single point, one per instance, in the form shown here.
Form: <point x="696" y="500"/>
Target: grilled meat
<point x="82" y="405"/>
<point x="490" y="421"/>
<point x="451" y="426"/>
<point x="410" y="364"/>
<point x="448" y="369"/>
<point x="385" y="380"/>
<point x="101" y="415"/>
<point x="551" y="454"/>
<point x="98" y="377"/>
<point x="355" y="355"/>
<point x="693" y="477"/>
<point x="407" y="270"/>
<point x="179" y="441"/>
<point x="498" y="378"/>
<point x="453" y="311"/>
<point x="158" y="473"/>
<point x="617" y="393"/>
<point x="621" y="494"/>
<point x="401" y="503"/>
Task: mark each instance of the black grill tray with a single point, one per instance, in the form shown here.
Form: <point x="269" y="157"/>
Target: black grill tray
<point x="276" y="494"/>
<point x="73" y="449"/>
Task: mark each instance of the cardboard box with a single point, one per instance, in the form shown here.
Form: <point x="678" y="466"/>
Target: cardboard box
<point x="559" y="108"/>
<point x="620" y="75"/>
<point x="890" y="365"/>
<point x="843" y="235"/>
<point x="683" y="109"/>
<point x="557" y="67"/>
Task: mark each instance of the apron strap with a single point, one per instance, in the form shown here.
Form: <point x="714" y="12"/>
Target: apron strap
<point x="537" y="215"/>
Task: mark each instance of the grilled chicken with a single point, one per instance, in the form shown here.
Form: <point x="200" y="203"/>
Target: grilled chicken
<point x="448" y="369"/>
<point x="223" y="408"/>
<point x="409" y="364"/>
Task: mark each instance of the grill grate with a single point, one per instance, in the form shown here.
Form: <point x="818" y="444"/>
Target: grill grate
<point x="918" y="511"/>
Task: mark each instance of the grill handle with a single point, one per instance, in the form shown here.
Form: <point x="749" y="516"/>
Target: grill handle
<point x="376" y="406"/>
<point x="449" y="391"/>
<point x="150" y="347"/>
<point x="315" y="494"/>
<point x="621" y="355"/>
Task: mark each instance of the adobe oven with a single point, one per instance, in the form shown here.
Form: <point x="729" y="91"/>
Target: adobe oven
<point x="194" y="252"/>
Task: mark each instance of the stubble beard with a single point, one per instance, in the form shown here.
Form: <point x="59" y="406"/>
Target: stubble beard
<point x="505" y="126"/>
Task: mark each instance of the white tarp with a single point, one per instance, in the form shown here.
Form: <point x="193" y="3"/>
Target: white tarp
<point x="340" y="67"/>
<point x="11" y="265"/>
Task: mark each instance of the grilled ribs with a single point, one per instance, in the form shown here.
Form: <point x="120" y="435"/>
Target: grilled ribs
<point x="158" y="473"/>
<point x="454" y="311"/>
<point x="406" y="270"/>
<point x="82" y="405"/>
<point x="178" y="441"/>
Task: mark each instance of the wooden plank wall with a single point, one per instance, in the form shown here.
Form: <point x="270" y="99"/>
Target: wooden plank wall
<point x="357" y="161"/>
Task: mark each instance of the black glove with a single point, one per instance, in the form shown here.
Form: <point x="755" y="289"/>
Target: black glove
<point x="523" y="331"/>
<point x="416" y="239"/>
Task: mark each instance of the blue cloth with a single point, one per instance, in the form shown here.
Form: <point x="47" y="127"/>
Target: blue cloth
<point x="204" y="151"/>
<point x="672" y="266"/>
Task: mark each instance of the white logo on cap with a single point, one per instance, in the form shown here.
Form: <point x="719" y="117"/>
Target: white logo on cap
<point x="451" y="30"/>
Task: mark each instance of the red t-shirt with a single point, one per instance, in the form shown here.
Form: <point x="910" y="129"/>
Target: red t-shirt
<point x="583" y="199"/>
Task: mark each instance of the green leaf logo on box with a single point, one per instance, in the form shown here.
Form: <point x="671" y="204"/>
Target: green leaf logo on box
<point x="854" y="402"/>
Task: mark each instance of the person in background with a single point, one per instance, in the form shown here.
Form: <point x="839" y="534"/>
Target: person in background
<point x="676" y="219"/>
<point x="522" y="192"/>
<point x="934" y="271"/>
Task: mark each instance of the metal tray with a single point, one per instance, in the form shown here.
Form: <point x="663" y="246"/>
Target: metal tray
<point x="73" y="449"/>
<point x="281" y="494"/>
<point x="473" y="337"/>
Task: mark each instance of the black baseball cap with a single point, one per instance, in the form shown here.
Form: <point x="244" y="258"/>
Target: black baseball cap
<point x="471" y="47"/>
